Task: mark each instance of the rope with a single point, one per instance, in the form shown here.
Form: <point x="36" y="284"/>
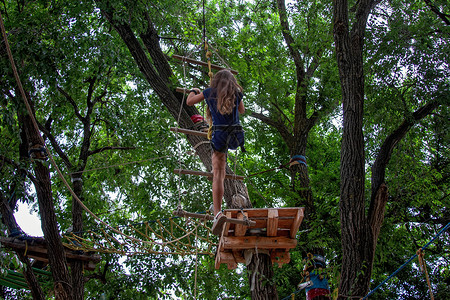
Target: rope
<point x="196" y="264"/>
<point x="302" y="287"/>
<point x="423" y="267"/>
<point x="35" y="125"/>
<point x="123" y="164"/>
<point x="269" y="170"/>
<point x="408" y="261"/>
<point x="159" y="241"/>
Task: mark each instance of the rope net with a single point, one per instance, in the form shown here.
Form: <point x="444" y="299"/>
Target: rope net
<point x="163" y="236"/>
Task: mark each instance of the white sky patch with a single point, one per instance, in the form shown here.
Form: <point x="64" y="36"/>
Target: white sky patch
<point x="28" y="220"/>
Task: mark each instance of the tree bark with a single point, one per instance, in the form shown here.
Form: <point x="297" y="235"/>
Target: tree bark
<point x="11" y="224"/>
<point x="166" y="91"/>
<point x="61" y="277"/>
<point x="260" y="274"/>
<point x="77" y="226"/>
<point x="357" y="237"/>
<point x="158" y="80"/>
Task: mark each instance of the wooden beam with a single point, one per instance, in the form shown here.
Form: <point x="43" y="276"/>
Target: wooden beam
<point x="280" y="257"/>
<point x="188" y="131"/>
<point x="225" y="258"/>
<point x="241" y="229"/>
<point x="250" y="242"/>
<point x="226" y="227"/>
<point x="183" y="213"/>
<point x="272" y="222"/>
<point x="41" y="250"/>
<point x="296" y="224"/>
<point x="201" y="63"/>
<point x="206" y="174"/>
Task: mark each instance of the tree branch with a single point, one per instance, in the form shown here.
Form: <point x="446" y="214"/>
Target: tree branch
<point x="386" y="149"/>
<point x="72" y="102"/>
<point x="298" y="61"/>
<point x="55" y="145"/>
<point x="151" y="42"/>
<point x="5" y="159"/>
<point x="281" y="112"/>
<point x="280" y="127"/>
<point x="434" y="9"/>
<point x="89" y="101"/>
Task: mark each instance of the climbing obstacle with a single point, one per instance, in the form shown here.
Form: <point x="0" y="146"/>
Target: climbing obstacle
<point x="274" y="233"/>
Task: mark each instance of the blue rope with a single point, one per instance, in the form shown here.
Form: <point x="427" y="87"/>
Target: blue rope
<point x="407" y="262"/>
<point x="299" y="159"/>
<point x="294" y="293"/>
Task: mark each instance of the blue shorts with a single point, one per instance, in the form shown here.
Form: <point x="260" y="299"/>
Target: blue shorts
<point x="226" y="137"/>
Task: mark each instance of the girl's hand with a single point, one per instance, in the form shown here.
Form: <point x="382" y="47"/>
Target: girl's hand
<point x="194" y="97"/>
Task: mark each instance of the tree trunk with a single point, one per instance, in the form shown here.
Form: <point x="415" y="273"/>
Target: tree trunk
<point x="77" y="226"/>
<point x="357" y="238"/>
<point x="172" y="101"/>
<point x="56" y="256"/>
<point x="260" y="273"/>
<point x="11" y="224"/>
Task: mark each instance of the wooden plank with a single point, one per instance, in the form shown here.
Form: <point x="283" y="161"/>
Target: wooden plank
<point x="251" y="242"/>
<point x="182" y="90"/>
<point x="280" y="257"/>
<point x="88" y="265"/>
<point x="225" y="258"/>
<point x="41" y="250"/>
<point x="188" y="131"/>
<point x="238" y="256"/>
<point x="227" y="225"/>
<point x="296" y="224"/>
<point x="288" y="211"/>
<point x="217" y="261"/>
<point x="201" y="63"/>
<point x="206" y="174"/>
<point x="240" y="229"/>
<point x="283" y="212"/>
<point x="183" y="213"/>
<point x="272" y="222"/>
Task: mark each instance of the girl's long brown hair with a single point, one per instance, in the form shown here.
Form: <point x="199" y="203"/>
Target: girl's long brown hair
<point x="227" y="87"/>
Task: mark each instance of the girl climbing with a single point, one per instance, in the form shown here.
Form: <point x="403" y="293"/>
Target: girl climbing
<point x="224" y="99"/>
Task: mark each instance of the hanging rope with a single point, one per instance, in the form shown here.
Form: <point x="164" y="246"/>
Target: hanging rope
<point x="423" y="267"/>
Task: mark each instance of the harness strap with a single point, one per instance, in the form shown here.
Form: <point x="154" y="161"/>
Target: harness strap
<point x="231" y="130"/>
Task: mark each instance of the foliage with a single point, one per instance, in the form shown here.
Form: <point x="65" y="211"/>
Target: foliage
<point x="66" y="45"/>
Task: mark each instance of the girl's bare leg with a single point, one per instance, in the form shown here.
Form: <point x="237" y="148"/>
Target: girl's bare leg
<point x="218" y="164"/>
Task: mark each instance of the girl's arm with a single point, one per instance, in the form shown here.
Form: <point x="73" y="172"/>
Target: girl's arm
<point x="241" y="108"/>
<point x="194" y="98"/>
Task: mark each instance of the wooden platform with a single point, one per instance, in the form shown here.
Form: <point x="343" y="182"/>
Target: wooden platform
<point x="274" y="233"/>
<point x="36" y="248"/>
<point x="188" y="131"/>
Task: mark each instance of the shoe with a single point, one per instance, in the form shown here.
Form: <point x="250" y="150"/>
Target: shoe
<point x="219" y="220"/>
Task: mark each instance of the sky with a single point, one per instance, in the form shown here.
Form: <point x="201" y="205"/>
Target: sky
<point x="29" y="222"/>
